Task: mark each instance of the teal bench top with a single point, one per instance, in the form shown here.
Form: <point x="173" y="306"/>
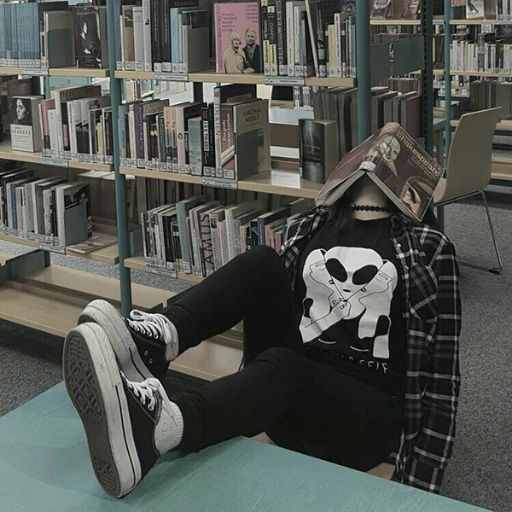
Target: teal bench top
<point x="45" y="467"/>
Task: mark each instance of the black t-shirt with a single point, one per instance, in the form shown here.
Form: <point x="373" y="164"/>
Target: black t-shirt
<point x="350" y="302"/>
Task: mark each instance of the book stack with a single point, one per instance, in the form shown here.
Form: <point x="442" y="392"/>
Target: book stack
<point x="169" y="36"/>
<point x="225" y="139"/>
<point x="40" y="35"/>
<point x="76" y="124"/>
<point x="198" y="236"/>
<point x="51" y="211"/>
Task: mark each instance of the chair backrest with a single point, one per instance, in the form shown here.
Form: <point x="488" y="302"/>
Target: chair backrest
<point x="468" y="168"/>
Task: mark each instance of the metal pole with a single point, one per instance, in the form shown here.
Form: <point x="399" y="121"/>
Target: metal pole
<point x="120" y="182"/>
<point x="363" y="70"/>
<point x="427" y="32"/>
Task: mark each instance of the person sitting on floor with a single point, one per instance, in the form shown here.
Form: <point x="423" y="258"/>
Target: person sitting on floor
<point x="350" y="352"/>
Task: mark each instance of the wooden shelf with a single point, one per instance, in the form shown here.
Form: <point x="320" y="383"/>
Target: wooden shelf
<point x="6" y="153"/>
<point x="51" y="299"/>
<point x="258" y="183"/>
<point x="137" y="263"/>
<point x="18" y="240"/>
<point x="264" y="183"/>
<point x="161" y="175"/>
<point x="108" y="255"/>
<point x="237" y="78"/>
<point x="80" y="72"/>
<point x="69" y="72"/>
<point x="438" y="21"/>
<point x="209" y="361"/>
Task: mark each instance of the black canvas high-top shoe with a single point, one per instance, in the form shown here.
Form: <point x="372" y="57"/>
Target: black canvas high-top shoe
<point x="128" y="425"/>
<point x="140" y="342"/>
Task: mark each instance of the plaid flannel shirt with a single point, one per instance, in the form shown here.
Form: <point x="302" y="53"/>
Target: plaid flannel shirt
<point x="433" y="318"/>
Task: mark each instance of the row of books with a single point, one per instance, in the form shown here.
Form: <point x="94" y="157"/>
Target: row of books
<point x="53" y="34"/>
<point x="461" y="9"/>
<point x="171" y="36"/>
<point x="387" y="105"/>
<point x="198" y="236"/>
<point x="484" y="94"/>
<point x="275" y="37"/>
<point x="481" y="56"/>
<point x="74" y="124"/>
<point x="227" y="139"/>
<point x="52" y="211"/>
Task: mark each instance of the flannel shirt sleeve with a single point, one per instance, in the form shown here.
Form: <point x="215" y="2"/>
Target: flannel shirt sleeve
<point x="434" y="444"/>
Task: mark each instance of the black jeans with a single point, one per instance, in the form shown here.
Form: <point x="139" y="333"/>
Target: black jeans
<point x="302" y="404"/>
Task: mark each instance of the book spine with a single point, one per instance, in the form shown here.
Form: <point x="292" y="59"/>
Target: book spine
<point x="298" y="50"/>
<point x="175" y="39"/>
<point x="217" y="125"/>
<point x="184" y="237"/>
<point x="166" y="36"/>
<point x="206" y="245"/>
<point x="205" y="139"/>
<point x="180" y="134"/>
<point x="272" y="29"/>
<point x="265" y="37"/>
<point x="282" y="66"/>
<point x="138" y="38"/>
<point x="146" y="28"/>
<point x="290" y="38"/>
<point x="156" y="34"/>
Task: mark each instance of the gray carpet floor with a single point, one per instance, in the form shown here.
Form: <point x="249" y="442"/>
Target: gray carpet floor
<point x="480" y="472"/>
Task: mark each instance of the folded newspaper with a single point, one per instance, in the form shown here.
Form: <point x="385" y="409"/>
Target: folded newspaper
<point x="397" y="164"/>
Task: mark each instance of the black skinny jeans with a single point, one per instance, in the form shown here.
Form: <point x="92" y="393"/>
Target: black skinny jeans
<point x="302" y="404"/>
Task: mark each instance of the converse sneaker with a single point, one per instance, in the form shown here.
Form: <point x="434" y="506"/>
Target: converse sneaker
<point x="128" y="425"/>
<point x="139" y="342"/>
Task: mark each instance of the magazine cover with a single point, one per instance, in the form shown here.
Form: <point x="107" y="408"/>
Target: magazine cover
<point x="237" y="37"/>
<point x="397" y="164"/>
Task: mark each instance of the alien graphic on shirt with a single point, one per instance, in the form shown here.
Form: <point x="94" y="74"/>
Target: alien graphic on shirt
<point x="346" y="283"/>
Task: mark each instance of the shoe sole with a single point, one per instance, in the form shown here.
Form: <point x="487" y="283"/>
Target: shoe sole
<point x="108" y="317"/>
<point x="95" y="387"/>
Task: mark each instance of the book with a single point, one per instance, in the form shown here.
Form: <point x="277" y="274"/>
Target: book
<point x="237" y="37"/>
<point x="475" y="9"/>
<point x="95" y="242"/>
<point x="380" y="8"/>
<point x="318" y="150"/>
<point x="73" y="213"/>
<point x="396" y="163"/>
<point x="410" y="9"/>
<point x="58" y="39"/>
<point x="25" y="123"/>
<point x="91" y="49"/>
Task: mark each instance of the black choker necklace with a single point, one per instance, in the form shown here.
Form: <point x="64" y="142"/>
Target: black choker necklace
<point x="367" y="208"/>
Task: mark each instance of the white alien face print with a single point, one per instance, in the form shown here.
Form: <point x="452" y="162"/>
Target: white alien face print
<point x="345" y="283"/>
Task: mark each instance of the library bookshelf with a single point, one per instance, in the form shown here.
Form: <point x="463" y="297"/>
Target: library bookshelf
<point x="50" y="298"/>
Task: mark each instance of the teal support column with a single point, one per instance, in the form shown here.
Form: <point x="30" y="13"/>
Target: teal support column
<point x="447" y="76"/>
<point x="363" y="69"/>
<point x="427" y="31"/>
<point x="120" y="182"/>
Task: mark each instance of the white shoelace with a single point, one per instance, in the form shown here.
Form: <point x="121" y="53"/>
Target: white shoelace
<point x="145" y="391"/>
<point x="152" y="325"/>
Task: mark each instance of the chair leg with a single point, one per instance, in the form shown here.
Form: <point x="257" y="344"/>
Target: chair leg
<point x="499" y="268"/>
